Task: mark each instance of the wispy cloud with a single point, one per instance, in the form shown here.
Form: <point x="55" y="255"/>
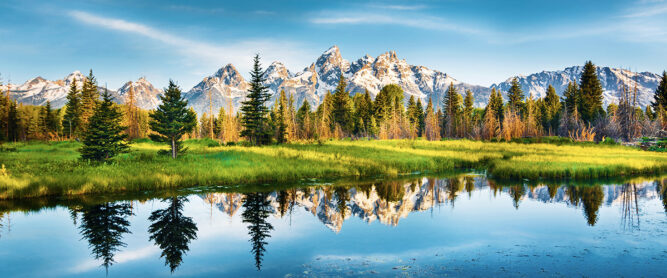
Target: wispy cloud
<point x="372" y="18"/>
<point x="193" y="9"/>
<point x="121" y="257"/>
<point x="239" y="52"/>
<point x="399" y="7"/>
<point x="647" y="10"/>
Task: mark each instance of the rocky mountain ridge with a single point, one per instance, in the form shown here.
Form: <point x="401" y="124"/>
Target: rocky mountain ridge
<point x="227" y="86"/>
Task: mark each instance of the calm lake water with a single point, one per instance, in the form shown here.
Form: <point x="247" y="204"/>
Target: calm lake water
<point x="458" y="226"/>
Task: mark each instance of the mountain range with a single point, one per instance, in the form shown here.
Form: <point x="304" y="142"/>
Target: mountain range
<point x="227" y="85"/>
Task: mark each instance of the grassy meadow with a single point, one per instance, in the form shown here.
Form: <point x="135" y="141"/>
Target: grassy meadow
<point x="39" y="169"/>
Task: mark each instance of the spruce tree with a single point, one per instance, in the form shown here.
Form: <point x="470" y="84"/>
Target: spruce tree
<point x="104" y="136"/>
<point x="571" y="97"/>
<point x="342" y="108"/>
<point x="49" y="117"/>
<point x="468" y="107"/>
<point x="385" y="99"/>
<point x="172" y="119"/>
<point x="496" y="103"/>
<point x="89" y="98"/>
<point x="420" y="118"/>
<point x="73" y="110"/>
<point x="304" y="120"/>
<point x="254" y="109"/>
<point x="281" y="119"/>
<point x="660" y="95"/>
<point x="590" y="102"/>
<point x="452" y="106"/>
<point x="551" y="109"/>
<point x="363" y="110"/>
<point x="13" y="127"/>
<point x="515" y="96"/>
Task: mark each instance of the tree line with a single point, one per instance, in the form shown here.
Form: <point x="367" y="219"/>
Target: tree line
<point x="104" y="126"/>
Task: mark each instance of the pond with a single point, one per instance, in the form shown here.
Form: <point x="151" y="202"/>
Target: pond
<point x="458" y="225"/>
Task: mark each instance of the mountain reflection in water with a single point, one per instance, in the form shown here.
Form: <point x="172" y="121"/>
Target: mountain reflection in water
<point x="105" y="223"/>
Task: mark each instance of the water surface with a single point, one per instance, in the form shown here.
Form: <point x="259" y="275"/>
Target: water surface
<point x="463" y="225"/>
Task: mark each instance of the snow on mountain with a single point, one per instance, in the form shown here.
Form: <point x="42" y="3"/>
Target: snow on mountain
<point x="610" y="78"/>
<point x="38" y="91"/>
<point x="225" y="86"/>
<point x="146" y="96"/>
<point x="313" y="82"/>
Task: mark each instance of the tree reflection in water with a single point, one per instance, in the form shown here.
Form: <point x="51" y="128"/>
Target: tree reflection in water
<point x="172" y="231"/>
<point x="661" y="187"/>
<point x="257" y="209"/>
<point x="629" y="207"/>
<point x="103" y="227"/>
<point x="590" y="197"/>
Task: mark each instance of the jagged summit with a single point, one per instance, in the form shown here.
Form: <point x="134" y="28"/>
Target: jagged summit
<point x="146" y="96"/>
<point x="611" y="80"/>
<point x="226" y="86"/>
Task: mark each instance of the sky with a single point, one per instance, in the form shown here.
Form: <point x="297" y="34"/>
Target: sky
<point x="478" y="42"/>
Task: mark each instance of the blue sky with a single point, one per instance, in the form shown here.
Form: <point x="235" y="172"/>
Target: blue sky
<point x="479" y="42"/>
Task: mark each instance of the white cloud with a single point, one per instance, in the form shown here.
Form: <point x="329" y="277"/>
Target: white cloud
<point x="206" y="54"/>
<point x="646" y="9"/>
<point x="121" y="257"/>
<point x="400" y="7"/>
<point x="421" y="21"/>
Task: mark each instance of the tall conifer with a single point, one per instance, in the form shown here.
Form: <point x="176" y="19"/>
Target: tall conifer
<point x="172" y="119"/>
<point x="104" y="136"/>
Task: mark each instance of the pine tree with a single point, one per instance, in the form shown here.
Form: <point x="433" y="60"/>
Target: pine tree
<point x="491" y="127"/>
<point x="4" y="114"/>
<point x="324" y="118"/>
<point x="281" y="121"/>
<point x="89" y="99"/>
<point x="660" y="95"/>
<point x="363" y="109"/>
<point x="571" y="97"/>
<point x="413" y="117"/>
<point x="590" y="102"/>
<point x="342" y="108"/>
<point x="13" y="123"/>
<point x="385" y="99"/>
<point x="432" y="127"/>
<point x="304" y="121"/>
<point x="50" y="121"/>
<point x="220" y="123"/>
<point x="496" y="103"/>
<point x="515" y="96"/>
<point x="421" y="119"/>
<point x="254" y="110"/>
<point x="452" y="105"/>
<point x="172" y="119"/>
<point x="73" y="110"/>
<point x="104" y="136"/>
<point x="551" y="109"/>
<point x="468" y="107"/>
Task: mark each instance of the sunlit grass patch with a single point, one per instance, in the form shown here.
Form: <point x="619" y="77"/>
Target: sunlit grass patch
<point x="38" y="169"/>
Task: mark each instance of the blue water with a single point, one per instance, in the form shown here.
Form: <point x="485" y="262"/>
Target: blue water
<point x="421" y="227"/>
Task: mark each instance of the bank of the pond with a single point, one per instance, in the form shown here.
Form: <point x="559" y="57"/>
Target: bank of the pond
<point x="40" y="169"/>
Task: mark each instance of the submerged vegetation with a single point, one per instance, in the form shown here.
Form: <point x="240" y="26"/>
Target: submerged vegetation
<point x="39" y="169"/>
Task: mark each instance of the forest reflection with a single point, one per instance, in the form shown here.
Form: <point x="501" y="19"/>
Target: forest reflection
<point x="103" y="224"/>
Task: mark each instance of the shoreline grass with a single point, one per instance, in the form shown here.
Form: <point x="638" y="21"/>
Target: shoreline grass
<point x="36" y="169"/>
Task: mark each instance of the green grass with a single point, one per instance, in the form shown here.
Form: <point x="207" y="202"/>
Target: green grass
<point x="40" y="169"/>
